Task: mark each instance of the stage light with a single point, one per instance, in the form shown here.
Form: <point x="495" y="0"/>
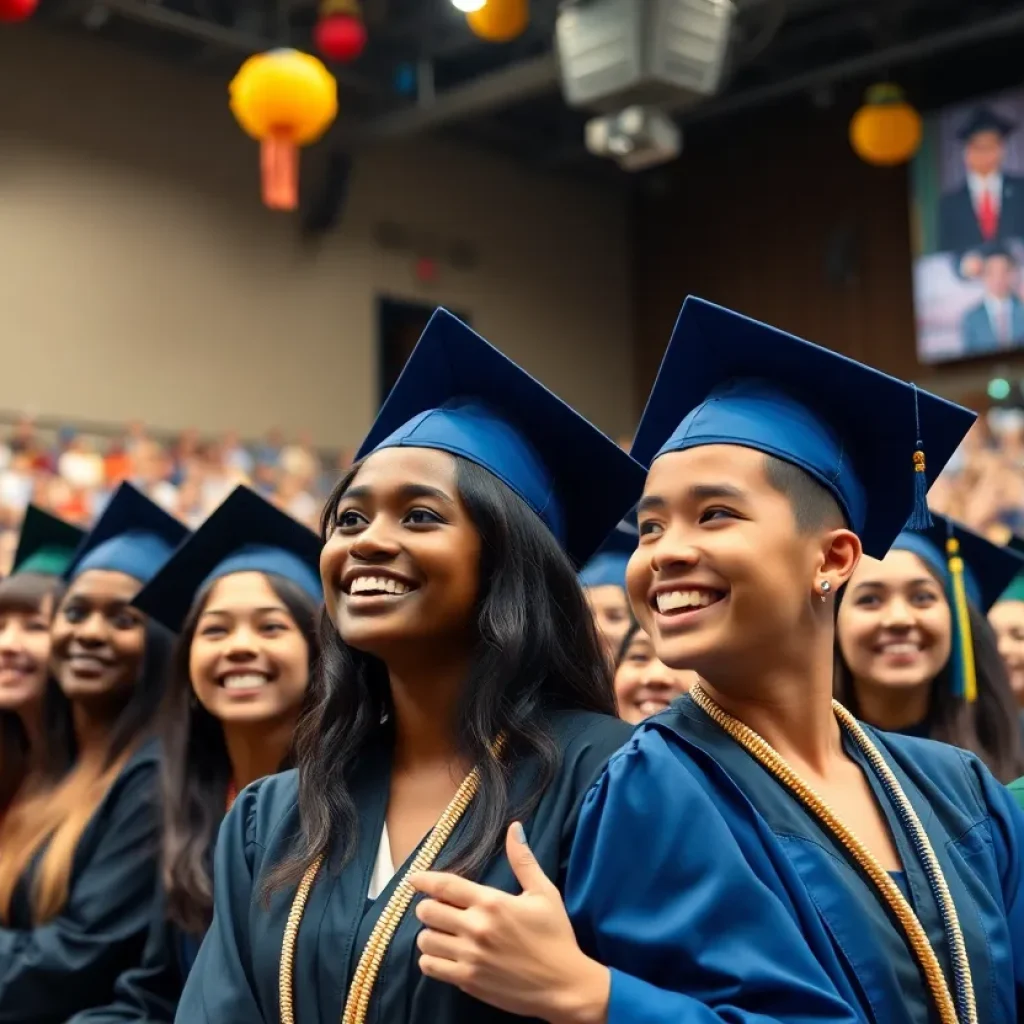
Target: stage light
<point x="468" y="6"/>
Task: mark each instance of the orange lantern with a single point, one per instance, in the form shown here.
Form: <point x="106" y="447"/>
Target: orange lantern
<point x="284" y="99"/>
<point x="500" y="21"/>
<point x="887" y="130"/>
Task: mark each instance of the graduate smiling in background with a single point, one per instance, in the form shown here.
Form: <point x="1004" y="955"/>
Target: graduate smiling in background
<point x="243" y="594"/>
<point x="462" y="689"/>
<point x="755" y="855"/>
<point x="78" y="867"/>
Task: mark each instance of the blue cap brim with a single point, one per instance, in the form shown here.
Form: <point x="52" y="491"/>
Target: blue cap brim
<point x="243" y="534"/>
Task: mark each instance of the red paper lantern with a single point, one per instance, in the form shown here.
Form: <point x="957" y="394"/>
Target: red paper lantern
<point x="340" y="37"/>
<point x="17" y="10"/>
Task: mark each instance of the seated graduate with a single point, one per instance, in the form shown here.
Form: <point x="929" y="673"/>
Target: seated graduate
<point x="1006" y="617"/>
<point x="603" y="579"/>
<point x="243" y="594"/>
<point x="28" y="601"/>
<point x="644" y="684"/>
<point x="78" y="866"/>
<point x="914" y="651"/>
<point x="754" y="854"/>
<point x="462" y="690"/>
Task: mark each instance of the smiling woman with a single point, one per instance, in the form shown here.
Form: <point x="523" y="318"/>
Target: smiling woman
<point x="462" y="688"/>
<point x="242" y="593"/>
<point x="74" y="878"/>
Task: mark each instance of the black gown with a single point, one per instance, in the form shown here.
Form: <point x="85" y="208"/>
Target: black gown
<point x="51" y="971"/>
<point x="235" y="977"/>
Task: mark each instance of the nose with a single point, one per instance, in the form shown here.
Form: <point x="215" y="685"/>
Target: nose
<point x="897" y="614"/>
<point x="92" y="631"/>
<point x="376" y="542"/>
<point x="10" y="637"/>
<point x="672" y="550"/>
<point x="241" y="645"/>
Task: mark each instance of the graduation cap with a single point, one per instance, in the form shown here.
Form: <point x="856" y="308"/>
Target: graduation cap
<point x="1015" y="591"/>
<point x="608" y="567"/>
<point x="728" y="379"/>
<point x="996" y="248"/>
<point x="985" y="119"/>
<point x="974" y="570"/>
<point x="459" y="394"/>
<point x="245" y="533"/>
<point x="46" y="544"/>
<point x="133" y="536"/>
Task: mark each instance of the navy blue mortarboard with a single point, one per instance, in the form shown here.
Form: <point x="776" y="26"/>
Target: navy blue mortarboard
<point x="1015" y="591"/>
<point x="133" y="535"/>
<point x="46" y="544"/>
<point x="459" y="394"/>
<point x="985" y="119"/>
<point x="973" y="569"/>
<point x="245" y="533"/>
<point x="728" y="379"/>
<point x="608" y="567"/>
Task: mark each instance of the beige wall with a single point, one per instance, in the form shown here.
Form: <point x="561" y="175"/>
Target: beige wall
<point x="140" y="277"/>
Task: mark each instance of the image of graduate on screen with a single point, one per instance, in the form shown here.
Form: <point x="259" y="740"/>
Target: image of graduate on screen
<point x="967" y="200"/>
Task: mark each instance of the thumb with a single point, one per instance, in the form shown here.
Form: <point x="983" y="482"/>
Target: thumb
<point x="524" y="865"/>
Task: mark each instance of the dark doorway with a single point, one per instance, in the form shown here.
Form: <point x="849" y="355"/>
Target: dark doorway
<point x="399" y="325"/>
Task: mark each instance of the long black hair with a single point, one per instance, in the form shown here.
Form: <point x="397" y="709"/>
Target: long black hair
<point x="536" y="651"/>
<point x="27" y="593"/>
<point x="989" y="727"/>
<point x="196" y="769"/>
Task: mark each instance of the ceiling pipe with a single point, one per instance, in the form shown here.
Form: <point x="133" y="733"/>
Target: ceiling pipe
<point x="874" y="63"/>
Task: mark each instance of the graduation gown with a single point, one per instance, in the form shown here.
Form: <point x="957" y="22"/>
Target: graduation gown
<point x="714" y="895"/>
<point x="235" y="977"/>
<point x="150" y="991"/>
<point x="50" y="971"/>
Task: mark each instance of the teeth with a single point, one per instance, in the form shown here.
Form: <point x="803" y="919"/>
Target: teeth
<point x="246" y="682"/>
<point x="675" y="599"/>
<point x="904" y="647"/>
<point x="377" y="585"/>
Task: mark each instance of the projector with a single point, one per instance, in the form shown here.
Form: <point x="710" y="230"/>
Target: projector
<point x="615" y="54"/>
<point x="636" y="138"/>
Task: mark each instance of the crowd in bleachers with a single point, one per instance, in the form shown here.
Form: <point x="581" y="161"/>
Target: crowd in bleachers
<point x="72" y="472"/>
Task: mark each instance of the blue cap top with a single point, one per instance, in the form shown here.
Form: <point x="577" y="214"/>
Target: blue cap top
<point x="988" y="568"/>
<point x="133" y="536"/>
<point x="727" y="379"/>
<point x="459" y="394"/>
<point x="608" y="567"/>
<point x="46" y="544"/>
<point x="244" y="533"/>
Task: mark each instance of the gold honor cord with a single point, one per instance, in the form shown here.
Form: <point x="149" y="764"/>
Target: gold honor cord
<point x="762" y="751"/>
<point x="358" y="1000"/>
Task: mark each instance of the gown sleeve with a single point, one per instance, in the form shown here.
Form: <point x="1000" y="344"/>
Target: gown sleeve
<point x="660" y="892"/>
<point x="221" y="988"/>
<point x="53" y="970"/>
<point x="1006" y="824"/>
<point x="149" y="992"/>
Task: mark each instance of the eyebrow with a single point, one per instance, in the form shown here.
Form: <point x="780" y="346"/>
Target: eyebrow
<point x="407" y="491"/>
<point x="698" y="492"/>
<point x="257" y="611"/>
<point x="879" y="585"/>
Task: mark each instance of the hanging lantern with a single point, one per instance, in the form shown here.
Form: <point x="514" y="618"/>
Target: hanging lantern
<point x="284" y="99"/>
<point x="500" y="21"/>
<point x="17" y="10"/>
<point x="887" y="130"/>
<point x="340" y="33"/>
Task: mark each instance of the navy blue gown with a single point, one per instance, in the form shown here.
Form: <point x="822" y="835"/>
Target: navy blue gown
<point x="50" y="971"/>
<point x="235" y="977"/>
<point x="739" y="906"/>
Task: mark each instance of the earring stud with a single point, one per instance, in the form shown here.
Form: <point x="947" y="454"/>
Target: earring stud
<point x="825" y="589"/>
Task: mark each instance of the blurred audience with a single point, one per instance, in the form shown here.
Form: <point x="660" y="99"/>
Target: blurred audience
<point x="72" y="473"/>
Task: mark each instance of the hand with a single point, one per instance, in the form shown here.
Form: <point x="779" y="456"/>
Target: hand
<point x="970" y="264"/>
<point x="517" y="953"/>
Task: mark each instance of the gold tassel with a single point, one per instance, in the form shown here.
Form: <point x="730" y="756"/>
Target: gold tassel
<point x="963" y="619"/>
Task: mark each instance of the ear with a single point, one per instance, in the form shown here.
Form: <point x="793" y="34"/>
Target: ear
<point x="841" y="550"/>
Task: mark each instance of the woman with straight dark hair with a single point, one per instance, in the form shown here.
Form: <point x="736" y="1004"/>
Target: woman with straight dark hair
<point x="915" y="653"/>
<point x="78" y="861"/>
<point x="28" y="600"/>
<point x="462" y="690"/>
<point x="242" y="593"/>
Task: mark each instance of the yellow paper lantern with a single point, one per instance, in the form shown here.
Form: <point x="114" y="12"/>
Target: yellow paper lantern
<point x="284" y="99"/>
<point x="886" y="131"/>
<point x="500" y="21"/>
